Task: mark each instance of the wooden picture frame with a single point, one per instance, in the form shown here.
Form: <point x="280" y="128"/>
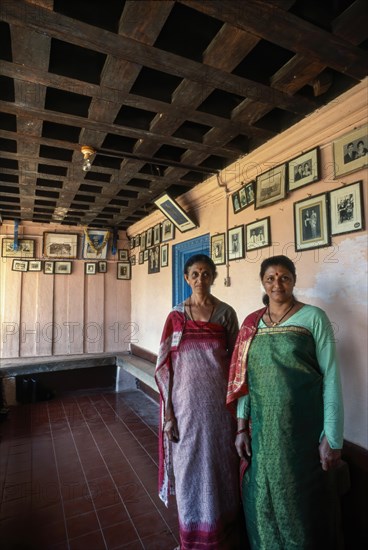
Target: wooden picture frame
<point x="347" y="208"/>
<point x="123" y="255"/>
<point x="235" y="199"/>
<point x="62" y="268"/>
<point x="154" y="259"/>
<point x="48" y="267"/>
<point x="141" y="258"/>
<point x="137" y="241"/>
<point x="249" y="189"/>
<point x="304" y="169"/>
<point x="164" y="260"/>
<point x="124" y="271"/>
<point x="34" y="265"/>
<point x="26" y="248"/>
<point x="235" y="243"/>
<point x="350" y="151"/>
<point x="218" y="248"/>
<point x="60" y="245"/>
<point x="311" y="223"/>
<point x="243" y="199"/>
<point x="143" y="242"/>
<point x="99" y="239"/>
<point x="20" y="265"/>
<point x="131" y="243"/>
<point x="90" y="268"/>
<point x="145" y="255"/>
<point x="271" y="186"/>
<point x="258" y="234"/>
<point x="132" y="260"/>
<point x="175" y="213"/>
<point x="149" y="239"/>
<point x="167" y="231"/>
<point x="157" y="233"/>
<point x="102" y="267"/>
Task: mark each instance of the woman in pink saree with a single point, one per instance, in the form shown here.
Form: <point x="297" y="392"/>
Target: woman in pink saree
<point x="198" y="460"/>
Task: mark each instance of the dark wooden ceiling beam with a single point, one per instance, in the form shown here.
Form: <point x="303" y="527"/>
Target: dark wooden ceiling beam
<point x="81" y="34"/>
<point x="276" y="25"/>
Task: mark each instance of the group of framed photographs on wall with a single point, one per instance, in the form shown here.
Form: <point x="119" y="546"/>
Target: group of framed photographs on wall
<point x="150" y="249"/>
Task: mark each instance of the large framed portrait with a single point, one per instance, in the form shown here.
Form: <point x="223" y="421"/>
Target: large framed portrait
<point x="346" y="209"/>
<point x="25" y="249"/>
<point x="60" y="245"/>
<point x="154" y="259"/>
<point x="304" y="169"/>
<point x="167" y="231"/>
<point x="258" y="234"/>
<point x="124" y="270"/>
<point x="271" y="186"/>
<point x="351" y="151"/>
<point x="164" y="255"/>
<point x="311" y="224"/>
<point x="95" y="243"/>
<point x="218" y="249"/>
<point x="235" y="243"/>
<point x="175" y="213"/>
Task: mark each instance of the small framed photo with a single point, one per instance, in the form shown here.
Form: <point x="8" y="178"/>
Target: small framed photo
<point x="63" y="268"/>
<point x="304" y="169"/>
<point x="157" y="233"/>
<point x="271" y="186"/>
<point x="143" y="242"/>
<point x="243" y="198"/>
<point x="258" y="234"/>
<point x="235" y="243"/>
<point x="149" y="239"/>
<point x="132" y="260"/>
<point x="218" y="248"/>
<point x="137" y="240"/>
<point x="131" y="243"/>
<point x="90" y="268"/>
<point x="95" y="244"/>
<point x="34" y="265"/>
<point x="145" y="255"/>
<point x="351" y="151"/>
<point x="102" y="267"/>
<point x="346" y="209"/>
<point x="167" y="231"/>
<point x="48" y="267"/>
<point x="123" y="255"/>
<point x="154" y="259"/>
<point x="311" y="223"/>
<point x="249" y="190"/>
<point x="175" y="213"/>
<point x="141" y="258"/>
<point x="20" y="265"/>
<point x="25" y="249"/>
<point x="60" y="245"/>
<point x="164" y="255"/>
<point x="236" y="202"/>
<point x="124" y="270"/>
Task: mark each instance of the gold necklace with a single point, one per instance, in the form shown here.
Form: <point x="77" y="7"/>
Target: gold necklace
<point x="275" y="323"/>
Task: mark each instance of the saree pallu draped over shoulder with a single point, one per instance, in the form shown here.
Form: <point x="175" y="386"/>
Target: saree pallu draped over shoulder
<point x="202" y="468"/>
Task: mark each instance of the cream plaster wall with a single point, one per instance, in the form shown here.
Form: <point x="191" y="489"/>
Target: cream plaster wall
<point x="334" y="278"/>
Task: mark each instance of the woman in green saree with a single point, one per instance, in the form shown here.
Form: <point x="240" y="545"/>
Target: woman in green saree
<point x="284" y="382"/>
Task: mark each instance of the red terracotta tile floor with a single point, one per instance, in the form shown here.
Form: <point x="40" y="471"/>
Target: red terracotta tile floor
<point x="79" y="472"/>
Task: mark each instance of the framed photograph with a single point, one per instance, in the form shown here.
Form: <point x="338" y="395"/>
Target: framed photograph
<point x="164" y="255"/>
<point x="351" y="151"/>
<point x="157" y="233"/>
<point x="311" y="224"/>
<point x="141" y="258"/>
<point x="304" y="169"/>
<point x="132" y="260"/>
<point x="102" y="267"/>
<point x="90" y="268"/>
<point x="145" y="255"/>
<point x="235" y="243"/>
<point x="137" y="241"/>
<point x="143" y="242"/>
<point x="123" y="255"/>
<point x="167" y="231"/>
<point x="34" y="265"/>
<point x="218" y="248"/>
<point x="236" y="202"/>
<point x="175" y="213"/>
<point x="63" y="268"/>
<point x="26" y="248"/>
<point x="131" y="243"/>
<point x="346" y="209"/>
<point x="95" y="243"/>
<point x="48" y="267"/>
<point x="249" y="190"/>
<point x="20" y="265"/>
<point x="154" y="259"/>
<point x="243" y="198"/>
<point x="60" y="245"/>
<point x="258" y="234"/>
<point x="124" y="270"/>
<point x="271" y="186"/>
<point x="149" y="239"/>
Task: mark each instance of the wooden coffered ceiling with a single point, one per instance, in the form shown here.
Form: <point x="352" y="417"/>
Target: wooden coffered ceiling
<point x="166" y="92"/>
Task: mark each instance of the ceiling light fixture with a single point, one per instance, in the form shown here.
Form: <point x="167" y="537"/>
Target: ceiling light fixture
<point x="87" y="153"/>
